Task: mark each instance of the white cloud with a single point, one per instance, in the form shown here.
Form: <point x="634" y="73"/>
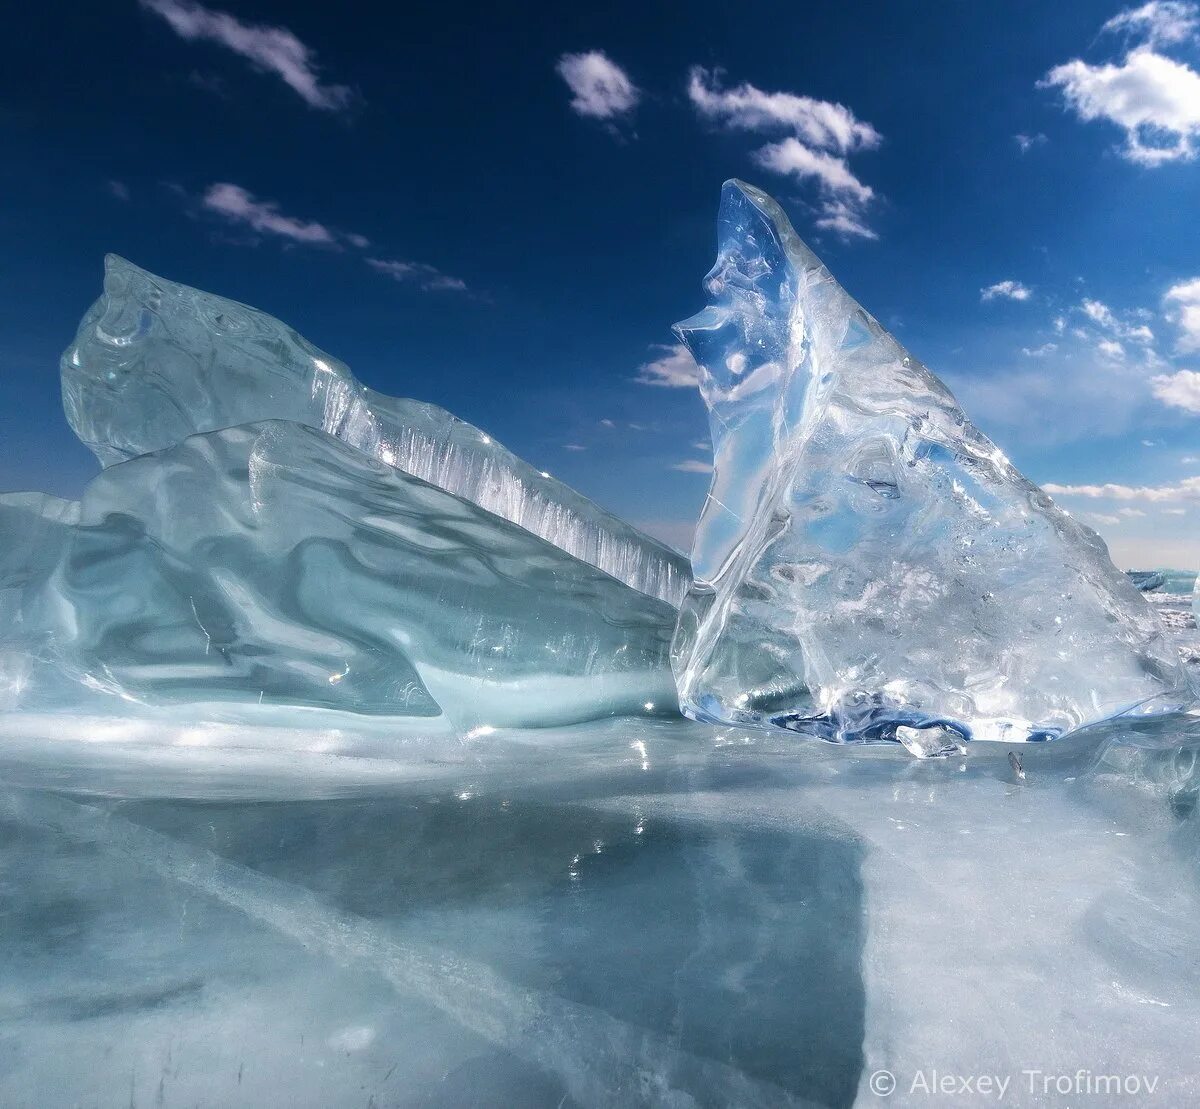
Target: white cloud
<point x="1178" y="390"/>
<point x="1160" y="22"/>
<point x="573" y="447"/>
<point x="819" y="123"/>
<point x="1099" y="312"/>
<point x="819" y="136"/>
<point x="693" y="466"/>
<point x="608" y="423"/>
<point x="417" y="273"/>
<point x="1039" y="352"/>
<point x="673" y="369"/>
<point x="1155" y="99"/>
<point x="240" y="206"/>
<point x="601" y="89"/>
<point x="1130" y="513"/>
<point x="1101" y="518"/>
<point x="272" y="49"/>
<point x="791" y="156"/>
<point x="1110" y="348"/>
<point x="1186" y="490"/>
<point x="1027" y="142"/>
<point x="1184" y="301"/>
<point x="1008" y="290"/>
<point x="1175" y="511"/>
<point x="1104" y="317"/>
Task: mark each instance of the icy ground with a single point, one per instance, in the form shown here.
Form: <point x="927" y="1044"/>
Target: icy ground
<point x="639" y="912"/>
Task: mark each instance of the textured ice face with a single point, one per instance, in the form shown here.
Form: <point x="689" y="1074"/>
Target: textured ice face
<point x="154" y="362"/>
<point x="272" y="564"/>
<point x="866" y="558"/>
<point x="35" y="529"/>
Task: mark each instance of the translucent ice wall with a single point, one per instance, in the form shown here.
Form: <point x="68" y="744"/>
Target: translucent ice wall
<point x="271" y="564"/>
<point x="154" y="362"/>
<point x="867" y="558"/>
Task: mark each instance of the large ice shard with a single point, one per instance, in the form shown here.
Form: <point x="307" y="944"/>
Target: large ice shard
<point x="154" y="362"/>
<point x="867" y="559"/>
<point x="273" y="564"/>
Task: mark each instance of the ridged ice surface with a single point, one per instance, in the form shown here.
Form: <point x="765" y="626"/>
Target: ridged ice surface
<point x="155" y="361"/>
<point x="273" y="565"/>
<point x="866" y="557"/>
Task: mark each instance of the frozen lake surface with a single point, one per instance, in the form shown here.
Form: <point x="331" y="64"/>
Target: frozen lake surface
<point x="639" y="912"/>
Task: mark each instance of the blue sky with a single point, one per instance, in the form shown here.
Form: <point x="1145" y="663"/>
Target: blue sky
<point x="503" y="209"/>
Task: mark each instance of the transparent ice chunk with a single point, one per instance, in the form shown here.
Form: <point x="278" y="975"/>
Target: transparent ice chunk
<point x="866" y="557"/>
<point x="272" y="563"/>
<point x="154" y="362"/>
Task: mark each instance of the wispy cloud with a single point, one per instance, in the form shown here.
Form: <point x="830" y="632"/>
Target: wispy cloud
<point x="1006" y="290"/>
<point x="118" y="190"/>
<point x="238" y="205"/>
<point x="1160" y="22"/>
<point x="1186" y="490"/>
<point x="574" y="447"/>
<point x="1155" y="99"/>
<point x="600" y="88"/>
<point x="693" y="466"/>
<point x="417" y="273"/>
<point x="270" y="49"/>
<point x="822" y="135"/>
<point x="1025" y="143"/>
<point x="674" y="368"/>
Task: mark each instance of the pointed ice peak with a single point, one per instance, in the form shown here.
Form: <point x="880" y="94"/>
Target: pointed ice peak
<point x="867" y="559"/>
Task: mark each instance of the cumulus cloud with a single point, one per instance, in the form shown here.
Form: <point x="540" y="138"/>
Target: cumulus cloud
<point x="419" y="274"/>
<point x="1007" y="290"/>
<point x="270" y="49"/>
<point x="600" y="88"/>
<point x="1153" y="98"/>
<point x="674" y="368"/>
<point x="818" y="137"/>
<point x="1178" y="390"/>
<point x="238" y="205"/>
<point x="1183" y="303"/>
